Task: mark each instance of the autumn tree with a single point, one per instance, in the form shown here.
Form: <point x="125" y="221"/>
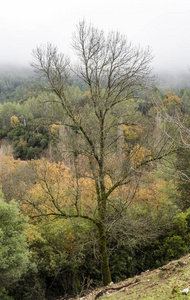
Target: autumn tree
<point x="172" y="103"/>
<point x="14" y="121"/>
<point x="113" y="70"/>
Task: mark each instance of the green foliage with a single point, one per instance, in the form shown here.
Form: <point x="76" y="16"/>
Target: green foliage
<point x="13" y="86"/>
<point x="183" y="166"/>
<point x="7" y="110"/>
<point x="28" y="141"/>
<point x="171" y="245"/>
<point x="14" y="254"/>
<point x="63" y="252"/>
<point x="32" y="286"/>
<point x="135" y="255"/>
<point x="4" y="294"/>
<point x="32" y="133"/>
<point x="186" y="101"/>
<point x="144" y="106"/>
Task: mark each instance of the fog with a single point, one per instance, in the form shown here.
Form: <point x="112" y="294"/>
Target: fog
<point x="163" y="25"/>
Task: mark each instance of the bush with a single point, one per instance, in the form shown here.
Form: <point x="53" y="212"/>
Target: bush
<point x="13" y="247"/>
<point x="133" y="257"/>
<point x="32" y="153"/>
<point x="44" y="143"/>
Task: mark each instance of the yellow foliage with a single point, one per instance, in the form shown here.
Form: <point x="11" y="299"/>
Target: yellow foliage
<point x="14" y="122"/>
<point x="132" y="132"/>
<point x="54" y="129"/>
<point x="139" y="154"/>
<point x="33" y="234"/>
<point x="171" y="98"/>
<point x="86" y="95"/>
<point x="23" y="143"/>
<point x="51" y="189"/>
<point x="8" y="165"/>
<point x="87" y="195"/>
<point x="154" y="193"/>
<point x="12" y="177"/>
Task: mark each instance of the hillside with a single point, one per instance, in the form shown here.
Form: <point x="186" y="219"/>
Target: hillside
<point x="167" y="282"/>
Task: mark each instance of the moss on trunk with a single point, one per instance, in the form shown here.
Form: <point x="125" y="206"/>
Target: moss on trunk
<point x="106" y="275"/>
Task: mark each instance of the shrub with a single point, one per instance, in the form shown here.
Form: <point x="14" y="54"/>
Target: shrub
<point x="13" y="247"/>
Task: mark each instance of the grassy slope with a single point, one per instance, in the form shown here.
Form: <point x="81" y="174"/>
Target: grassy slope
<point x="164" y="283"/>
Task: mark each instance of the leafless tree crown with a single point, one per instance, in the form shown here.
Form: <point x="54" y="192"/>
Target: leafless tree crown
<point x="55" y="66"/>
<point x="110" y="65"/>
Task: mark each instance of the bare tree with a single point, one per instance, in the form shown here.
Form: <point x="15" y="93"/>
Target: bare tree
<point x="177" y="121"/>
<point x="174" y="124"/>
<point x="113" y="71"/>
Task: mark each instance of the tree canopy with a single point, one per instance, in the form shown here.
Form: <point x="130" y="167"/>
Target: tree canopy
<point x="14" y="253"/>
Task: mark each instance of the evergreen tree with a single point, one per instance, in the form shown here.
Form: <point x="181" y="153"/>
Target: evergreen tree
<point x="13" y="247"/>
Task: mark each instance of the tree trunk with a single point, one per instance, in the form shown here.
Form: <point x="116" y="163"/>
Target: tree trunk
<point x="106" y="275"/>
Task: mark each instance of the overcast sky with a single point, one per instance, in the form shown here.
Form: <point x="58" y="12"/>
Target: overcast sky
<point x="164" y="25"/>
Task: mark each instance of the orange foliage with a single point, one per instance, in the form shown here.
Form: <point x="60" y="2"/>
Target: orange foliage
<point x="132" y="132"/>
<point x="46" y="188"/>
<point x="52" y="188"/>
<point x="88" y="195"/>
<point x="51" y="191"/>
<point x="138" y="155"/>
<point x="171" y="98"/>
<point x="14" y="122"/>
<point x="12" y="173"/>
<point x="86" y="95"/>
<point x="54" y="129"/>
<point x="23" y="143"/>
<point x="155" y="192"/>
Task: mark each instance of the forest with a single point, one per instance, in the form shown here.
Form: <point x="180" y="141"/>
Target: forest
<point x="94" y="169"/>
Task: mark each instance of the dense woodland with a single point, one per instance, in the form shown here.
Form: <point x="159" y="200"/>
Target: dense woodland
<point x="94" y="170"/>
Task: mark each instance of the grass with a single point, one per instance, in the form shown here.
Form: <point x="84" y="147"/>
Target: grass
<point x="164" y="283"/>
